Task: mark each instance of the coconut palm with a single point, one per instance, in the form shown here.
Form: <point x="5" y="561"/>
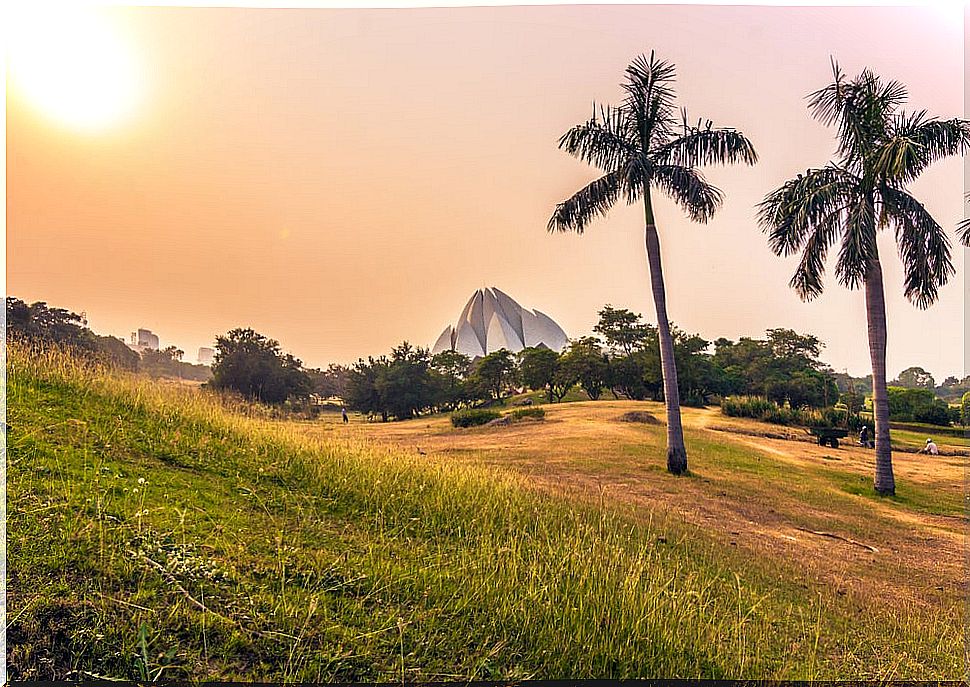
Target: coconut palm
<point x="645" y="145"/>
<point x="881" y="149"/>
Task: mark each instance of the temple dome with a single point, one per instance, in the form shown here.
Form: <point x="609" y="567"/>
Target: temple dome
<point x="492" y="320"/>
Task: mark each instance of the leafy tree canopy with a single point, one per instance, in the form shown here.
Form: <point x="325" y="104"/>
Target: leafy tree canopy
<point x="915" y="378"/>
<point x="254" y="366"/>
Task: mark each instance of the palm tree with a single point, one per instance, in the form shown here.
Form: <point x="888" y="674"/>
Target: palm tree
<point x="645" y="145"/>
<point x="881" y="149"/>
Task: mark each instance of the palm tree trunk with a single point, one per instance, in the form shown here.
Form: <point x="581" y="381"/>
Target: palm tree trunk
<point x="676" y="451"/>
<point x="885" y="483"/>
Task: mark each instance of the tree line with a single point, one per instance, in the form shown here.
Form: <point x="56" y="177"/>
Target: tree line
<point x="40" y="323"/>
<point x="623" y="361"/>
<point x="621" y="358"/>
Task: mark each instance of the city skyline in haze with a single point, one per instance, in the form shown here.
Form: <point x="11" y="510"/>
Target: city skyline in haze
<point x="343" y="180"/>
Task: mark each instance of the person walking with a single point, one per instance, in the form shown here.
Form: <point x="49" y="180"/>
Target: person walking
<point x="343" y="414"/>
<point x="864" y="439"/>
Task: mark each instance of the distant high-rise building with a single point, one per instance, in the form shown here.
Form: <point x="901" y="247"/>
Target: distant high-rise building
<point x="206" y="356"/>
<point x="143" y="339"/>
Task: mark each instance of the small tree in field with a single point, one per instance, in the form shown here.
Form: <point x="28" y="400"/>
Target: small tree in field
<point x="254" y="365"/>
<point x="586" y="362"/>
<point x="541" y="368"/>
<point x="494" y="375"/>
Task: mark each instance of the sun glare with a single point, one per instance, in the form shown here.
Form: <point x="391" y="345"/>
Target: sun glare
<point x="72" y="65"/>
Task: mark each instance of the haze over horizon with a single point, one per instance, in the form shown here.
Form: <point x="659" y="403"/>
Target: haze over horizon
<point x="343" y="180"/>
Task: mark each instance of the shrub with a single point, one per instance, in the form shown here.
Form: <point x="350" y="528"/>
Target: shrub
<point x="760" y="408"/>
<point x="534" y="413"/>
<point x="747" y="406"/>
<point x="471" y="417"/>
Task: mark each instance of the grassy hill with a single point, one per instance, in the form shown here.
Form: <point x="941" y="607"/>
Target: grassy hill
<point x="154" y="533"/>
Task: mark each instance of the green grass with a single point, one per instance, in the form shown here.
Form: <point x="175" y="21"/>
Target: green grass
<point x="154" y="533"/>
<point x="917" y="439"/>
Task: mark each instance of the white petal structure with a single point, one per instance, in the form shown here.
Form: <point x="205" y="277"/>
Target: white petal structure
<point x="492" y="320"/>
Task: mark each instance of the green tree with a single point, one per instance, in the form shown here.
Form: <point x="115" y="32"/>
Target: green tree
<point x="643" y="149"/>
<point x="405" y="385"/>
<point x="698" y="375"/>
<point x="539" y="370"/>
<point x="784" y="367"/>
<point x="362" y="392"/>
<point x="40" y="322"/>
<point x="965" y="410"/>
<point x="331" y="382"/>
<point x="881" y="150"/>
<point x="163" y="363"/>
<point x="254" y="365"/>
<point x="494" y="375"/>
<point x="915" y="378"/>
<point x="117" y="353"/>
<point x="917" y="405"/>
<point x="622" y="329"/>
<point x="452" y="369"/>
<point x="586" y="362"/>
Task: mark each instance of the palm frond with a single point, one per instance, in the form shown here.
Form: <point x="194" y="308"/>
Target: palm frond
<point x="916" y="141"/>
<point x="808" y="278"/>
<point x="594" y="199"/>
<point x="923" y="246"/>
<point x="604" y="141"/>
<point x="862" y="109"/>
<point x="688" y="188"/>
<point x="650" y="97"/>
<point x="858" y="243"/>
<point x="793" y="213"/>
<point x="703" y="145"/>
<point x="827" y="102"/>
<point x="963" y="231"/>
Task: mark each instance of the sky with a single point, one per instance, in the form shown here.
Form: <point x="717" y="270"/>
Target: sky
<point x="343" y="180"/>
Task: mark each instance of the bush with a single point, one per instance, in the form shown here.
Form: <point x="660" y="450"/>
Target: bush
<point x="760" y="408"/>
<point x="471" y="417"/>
<point x="747" y="406"/>
<point x="534" y="413"/>
<point x="917" y="405"/>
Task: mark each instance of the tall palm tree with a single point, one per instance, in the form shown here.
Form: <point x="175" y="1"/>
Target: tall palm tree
<point x="881" y="149"/>
<point x="645" y="145"/>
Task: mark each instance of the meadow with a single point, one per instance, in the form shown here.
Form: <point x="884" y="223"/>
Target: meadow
<point x="155" y="532"/>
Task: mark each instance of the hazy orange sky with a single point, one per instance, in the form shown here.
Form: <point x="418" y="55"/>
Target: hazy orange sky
<point x="342" y="180"/>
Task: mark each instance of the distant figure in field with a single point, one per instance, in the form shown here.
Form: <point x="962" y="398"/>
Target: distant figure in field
<point x="930" y="448"/>
<point x="864" y="439"/>
<point x="343" y="414"/>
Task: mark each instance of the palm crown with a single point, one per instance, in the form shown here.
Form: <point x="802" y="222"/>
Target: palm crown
<point x="881" y="150"/>
<point x="646" y="142"/>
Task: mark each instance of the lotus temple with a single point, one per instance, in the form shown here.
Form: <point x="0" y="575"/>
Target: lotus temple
<point x="492" y="320"/>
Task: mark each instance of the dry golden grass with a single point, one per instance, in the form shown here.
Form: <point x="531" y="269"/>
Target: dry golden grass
<point x="755" y="492"/>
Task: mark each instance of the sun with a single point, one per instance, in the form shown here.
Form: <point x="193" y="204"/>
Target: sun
<point x="72" y="65"/>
